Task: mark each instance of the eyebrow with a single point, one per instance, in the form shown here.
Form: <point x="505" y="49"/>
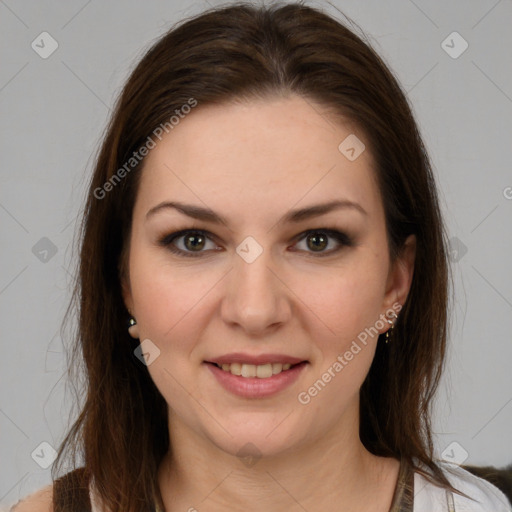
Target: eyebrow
<point x="293" y="216"/>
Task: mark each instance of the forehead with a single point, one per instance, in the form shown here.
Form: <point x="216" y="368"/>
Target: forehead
<point x="259" y="158"/>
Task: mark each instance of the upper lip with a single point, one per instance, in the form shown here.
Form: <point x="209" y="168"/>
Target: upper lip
<point x="239" y="357"/>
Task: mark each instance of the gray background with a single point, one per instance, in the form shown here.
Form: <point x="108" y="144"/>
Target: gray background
<point x="53" y="112"/>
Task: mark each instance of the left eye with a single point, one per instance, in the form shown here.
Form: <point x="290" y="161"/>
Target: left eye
<point x="318" y="240"/>
<point x="194" y="241"/>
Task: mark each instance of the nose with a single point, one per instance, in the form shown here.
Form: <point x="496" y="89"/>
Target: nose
<point x="257" y="299"/>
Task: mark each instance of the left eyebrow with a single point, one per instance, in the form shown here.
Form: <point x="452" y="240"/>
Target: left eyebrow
<point x="293" y="216"/>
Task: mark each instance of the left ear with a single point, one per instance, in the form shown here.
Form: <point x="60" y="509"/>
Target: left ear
<point x="400" y="274"/>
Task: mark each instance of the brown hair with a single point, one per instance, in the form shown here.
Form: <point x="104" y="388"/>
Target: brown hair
<point x="242" y="52"/>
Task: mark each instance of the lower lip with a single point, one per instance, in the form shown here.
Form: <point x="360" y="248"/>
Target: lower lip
<point x="254" y="387"/>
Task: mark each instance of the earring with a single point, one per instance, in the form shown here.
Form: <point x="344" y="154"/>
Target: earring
<point x="390" y="322"/>
<point x="132" y="328"/>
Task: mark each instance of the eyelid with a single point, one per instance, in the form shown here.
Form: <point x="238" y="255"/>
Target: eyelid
<point x="167" y="239"/>
<point x="341" y="237"/>
<point x="338" y="235"/>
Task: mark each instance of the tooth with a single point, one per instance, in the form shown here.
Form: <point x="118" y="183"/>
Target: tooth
<point x="236" y="368"/>
<point x="276" y="368"/>
<point x="248" y="370"/>
<point x="263" y="371"/>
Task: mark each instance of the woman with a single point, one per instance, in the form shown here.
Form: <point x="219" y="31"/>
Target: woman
<point x="263" y="283"/>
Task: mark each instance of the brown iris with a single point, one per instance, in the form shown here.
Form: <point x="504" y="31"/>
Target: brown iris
<point x="191" y="245"/>
<point x="319" y="241"/>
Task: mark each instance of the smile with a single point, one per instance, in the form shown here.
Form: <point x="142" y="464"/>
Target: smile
<point x="256" y="381"/>
<point x="261" y="371"/>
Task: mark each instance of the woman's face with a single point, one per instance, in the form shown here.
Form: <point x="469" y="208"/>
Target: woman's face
<point x="267" y="280"/>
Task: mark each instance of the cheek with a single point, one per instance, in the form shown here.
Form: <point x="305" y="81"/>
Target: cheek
<point x="164" y="302"/>
<point x="345" y="300"/>
<point x="343" y="331"/>
<point x="168" y="297"/>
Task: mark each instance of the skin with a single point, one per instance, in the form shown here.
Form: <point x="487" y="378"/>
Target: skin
<point x="252" y="162"/>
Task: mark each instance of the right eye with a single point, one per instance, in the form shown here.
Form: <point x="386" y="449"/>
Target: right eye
<point x="191" y="241"/>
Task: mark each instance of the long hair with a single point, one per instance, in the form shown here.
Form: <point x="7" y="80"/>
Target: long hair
<point x="243" y="52"/>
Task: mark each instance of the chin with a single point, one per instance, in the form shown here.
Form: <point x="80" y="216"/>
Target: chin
<point x="251" y="444"/>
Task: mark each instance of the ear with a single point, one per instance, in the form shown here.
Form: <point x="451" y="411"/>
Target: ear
<point x="128" y="301"/>
<point x="124" y="280"/>
<point x="400" y="275"/>
<point x="126" y="293"/>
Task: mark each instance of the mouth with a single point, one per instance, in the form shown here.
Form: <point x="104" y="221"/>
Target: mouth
<point x="260" y="371"/>
<point x="256" y="381"/>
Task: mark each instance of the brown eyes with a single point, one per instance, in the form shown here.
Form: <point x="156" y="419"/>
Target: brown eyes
<point x="193" y="242"/>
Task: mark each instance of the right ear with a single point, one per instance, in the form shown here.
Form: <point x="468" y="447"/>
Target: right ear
<point x="126" y="292"/>
<point x="124" y="280"/>
<point x="133" y="329"/>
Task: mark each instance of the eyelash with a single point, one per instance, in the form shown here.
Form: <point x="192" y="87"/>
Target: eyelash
<point x="341" y="238"/>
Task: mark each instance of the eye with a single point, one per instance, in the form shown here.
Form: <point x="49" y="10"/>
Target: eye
<point x="190" y="243"/>
<point x="316" y="241"/>
<point x="187" y="242"/>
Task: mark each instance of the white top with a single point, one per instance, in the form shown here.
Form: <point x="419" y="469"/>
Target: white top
<point x="430" y="498"/>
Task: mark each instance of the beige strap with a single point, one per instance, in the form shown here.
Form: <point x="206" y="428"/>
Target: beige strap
<point x="403" y="498"/>
<point x="449" y="501"/>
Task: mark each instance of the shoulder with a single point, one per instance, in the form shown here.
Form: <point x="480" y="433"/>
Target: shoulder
<point x="484" y="496"/>
<point x="39" y="501"/>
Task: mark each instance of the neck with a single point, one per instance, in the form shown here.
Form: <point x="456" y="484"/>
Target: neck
<point x="318" y="475"/>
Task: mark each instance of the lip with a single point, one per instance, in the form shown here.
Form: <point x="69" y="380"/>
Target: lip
<point x="254" y="387"/>
<point x="239" y="357"/>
